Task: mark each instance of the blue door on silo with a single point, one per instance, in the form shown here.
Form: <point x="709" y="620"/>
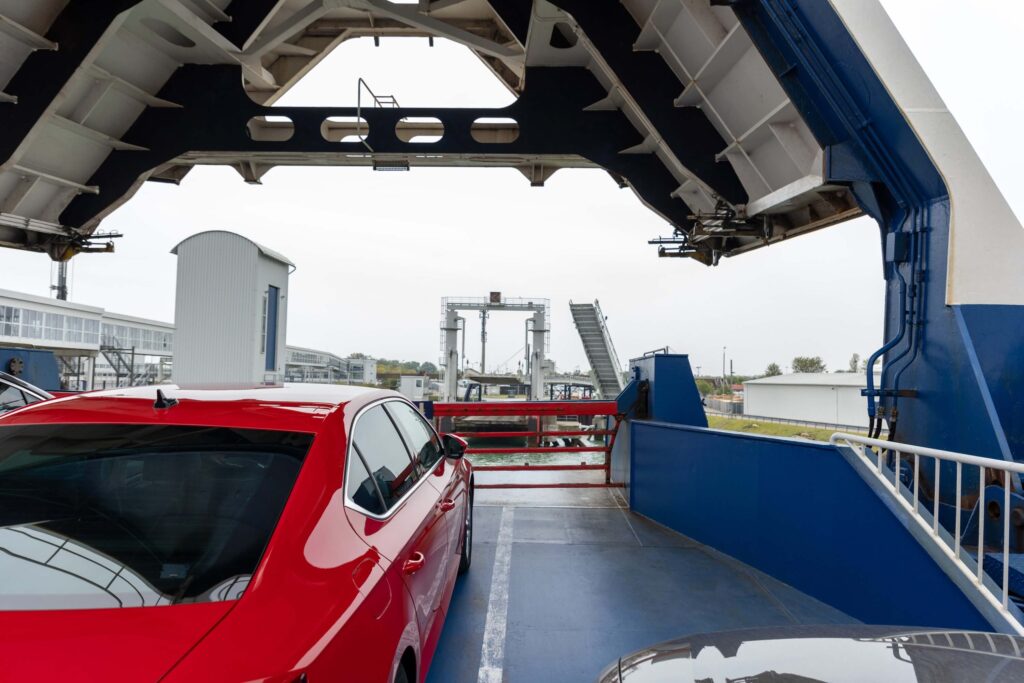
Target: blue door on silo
<point x="272" y="302"/>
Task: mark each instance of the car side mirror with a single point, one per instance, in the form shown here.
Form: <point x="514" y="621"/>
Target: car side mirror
<point x="454" y="446"/>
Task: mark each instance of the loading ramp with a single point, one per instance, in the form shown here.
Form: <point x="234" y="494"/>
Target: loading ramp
<point x="597" y="344"/>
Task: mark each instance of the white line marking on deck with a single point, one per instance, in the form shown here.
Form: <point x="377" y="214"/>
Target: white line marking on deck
<point x="625" y="516"/>
<point x="492" y="653"/>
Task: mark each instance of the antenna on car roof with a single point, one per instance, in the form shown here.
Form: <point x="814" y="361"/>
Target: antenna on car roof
<point x="163" y="402"/>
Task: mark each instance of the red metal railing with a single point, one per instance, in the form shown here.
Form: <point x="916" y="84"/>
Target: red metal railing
<point x="537" y="410"/>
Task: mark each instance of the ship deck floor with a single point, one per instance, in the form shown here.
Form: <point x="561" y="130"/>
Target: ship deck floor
<point x="564" y="581"/>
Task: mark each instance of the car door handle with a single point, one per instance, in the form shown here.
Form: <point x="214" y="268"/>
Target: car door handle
<point x="414" y="563"/>
<point x="447" y="505"/>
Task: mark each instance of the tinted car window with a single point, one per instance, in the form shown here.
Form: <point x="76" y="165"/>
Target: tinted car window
<point x="421" y="438"/>
<point x="11" y="398"/>
<point x="386" y="456"/>
<point x="360" y="487"/>
<point x="137" y="515"/>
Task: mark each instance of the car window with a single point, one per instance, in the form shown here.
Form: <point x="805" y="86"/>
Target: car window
<point x="11" y="398"/>
<point x="386" y="456"/>
<point x="109" y="515"/>
<point x="423" y="442"/>
<point x="360" y="487"/>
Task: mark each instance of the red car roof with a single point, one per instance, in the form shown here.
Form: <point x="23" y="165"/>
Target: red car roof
<point x="293" y="407"/>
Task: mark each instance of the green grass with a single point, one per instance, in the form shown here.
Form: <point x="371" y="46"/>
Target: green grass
<point x="740" y="424"/>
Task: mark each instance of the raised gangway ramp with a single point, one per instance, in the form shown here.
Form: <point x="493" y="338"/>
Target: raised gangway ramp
<point x="597" y="344"/>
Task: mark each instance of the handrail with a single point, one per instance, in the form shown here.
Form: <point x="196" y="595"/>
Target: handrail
<point x="611" y="345"/>
<point x="379" y="102"/>
<point x="980" y="461"/>
<point x="976" y="575"/>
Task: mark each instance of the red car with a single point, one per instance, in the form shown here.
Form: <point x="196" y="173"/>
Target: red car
<point x="284" y="534"/>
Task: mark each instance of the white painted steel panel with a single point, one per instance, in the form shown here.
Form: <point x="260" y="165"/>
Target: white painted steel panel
<point x="986" y="241"/>
<point x="222" y="280"/>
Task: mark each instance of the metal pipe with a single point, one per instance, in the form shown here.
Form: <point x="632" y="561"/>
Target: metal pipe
<point x="889" y="344"/>
<point x="888" y="363"/>
<point x="1006" y="538"/>
<point x="981" y="522"/>
<point x="919" y="283"/>
<point x="959" y="485"/>
<point x="483" y="341"/>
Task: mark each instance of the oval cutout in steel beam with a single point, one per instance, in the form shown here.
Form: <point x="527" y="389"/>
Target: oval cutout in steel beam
<point x="270" y="128"/>
<point x="419" y="129"/>
<point x="495" y="130"/>
<point x="344" y="129"/>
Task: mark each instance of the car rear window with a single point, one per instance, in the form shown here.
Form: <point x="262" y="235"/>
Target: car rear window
<point x="137" y="515"/>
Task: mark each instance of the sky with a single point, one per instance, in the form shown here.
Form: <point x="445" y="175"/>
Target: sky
<point x="376" y="252"/>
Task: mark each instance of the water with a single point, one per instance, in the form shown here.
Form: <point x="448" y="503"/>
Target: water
<point x="586" y="458"/>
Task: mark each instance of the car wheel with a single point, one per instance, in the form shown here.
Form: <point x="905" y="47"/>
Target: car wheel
<point x="402" y="676"/>
<point x="467" y="539"/>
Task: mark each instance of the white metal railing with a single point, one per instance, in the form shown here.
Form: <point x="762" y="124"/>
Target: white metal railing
<point x="860" y="445"/>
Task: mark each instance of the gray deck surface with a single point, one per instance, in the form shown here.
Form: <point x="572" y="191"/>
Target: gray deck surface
<point x="588" y="581"/>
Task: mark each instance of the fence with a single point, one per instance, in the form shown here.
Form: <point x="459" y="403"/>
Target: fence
<point x="784" y="420"/>
<point x="535" y="412"/>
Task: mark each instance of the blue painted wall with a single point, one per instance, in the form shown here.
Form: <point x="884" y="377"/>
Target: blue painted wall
<point x="673" y="391"/>
<point x="797" y="511"/>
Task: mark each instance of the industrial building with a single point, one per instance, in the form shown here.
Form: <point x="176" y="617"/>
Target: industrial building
<point x="100" y="349"/>
<point x="829" y="398"/>
<point x="95" y="348"/>
<point x="311" y="365"/>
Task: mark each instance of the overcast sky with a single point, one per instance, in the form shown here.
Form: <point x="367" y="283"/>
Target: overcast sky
<point x="376" y="252"/>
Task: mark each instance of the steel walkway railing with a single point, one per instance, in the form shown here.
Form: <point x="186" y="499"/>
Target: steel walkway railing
<point x="910" y="501"/>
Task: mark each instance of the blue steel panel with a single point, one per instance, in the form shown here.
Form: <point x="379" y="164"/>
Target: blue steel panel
<point x="673" y="391"/>
<point x="40" y="367"/>
<point x="994" y="334"/>
<point x="798" y="512"/>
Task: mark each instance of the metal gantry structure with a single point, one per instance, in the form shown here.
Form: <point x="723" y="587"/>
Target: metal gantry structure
<point x="538" y="326"/>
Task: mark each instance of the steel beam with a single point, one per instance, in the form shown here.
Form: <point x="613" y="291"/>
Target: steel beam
<point x="648" y="80"/>
<point x="37" y="84"/>
<point x="552" y="116"/>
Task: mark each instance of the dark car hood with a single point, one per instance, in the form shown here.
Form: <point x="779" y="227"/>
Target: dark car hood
<point x="110" y="645"/>
<point x="823" y="653"/>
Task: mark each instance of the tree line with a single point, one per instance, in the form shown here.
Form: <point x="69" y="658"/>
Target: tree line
<point x="388" y="366"/>
<point x="801" y="364"/>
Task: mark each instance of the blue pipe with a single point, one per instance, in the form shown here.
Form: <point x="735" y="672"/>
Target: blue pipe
<point x="912" y="261"/>
<point x="918" y="337"/>
<point x="892" y="342"/>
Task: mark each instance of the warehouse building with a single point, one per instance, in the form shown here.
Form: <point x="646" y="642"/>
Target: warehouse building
<point x="828" y="398"/>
